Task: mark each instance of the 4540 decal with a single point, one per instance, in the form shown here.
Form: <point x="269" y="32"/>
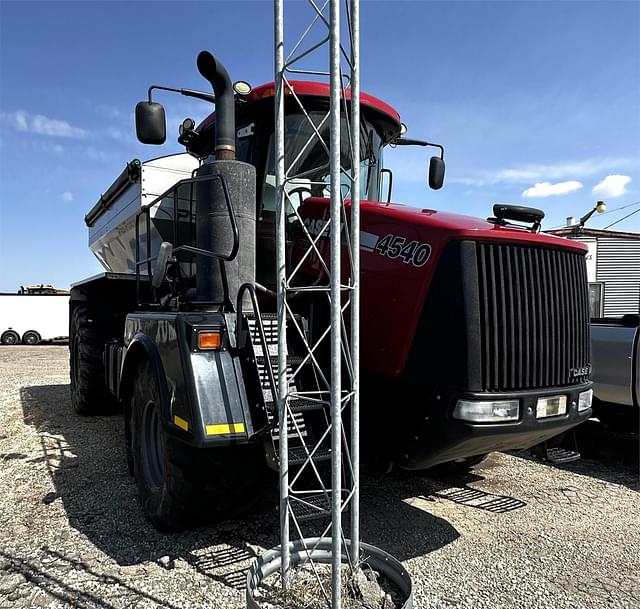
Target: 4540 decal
<point x="394" y="246"/>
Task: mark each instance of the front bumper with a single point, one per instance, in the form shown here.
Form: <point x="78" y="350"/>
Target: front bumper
<point x="439" y="437"/>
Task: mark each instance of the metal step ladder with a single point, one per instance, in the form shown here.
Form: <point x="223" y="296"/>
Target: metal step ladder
<point x="558" y="450"/>
<point x="307" y="429"/>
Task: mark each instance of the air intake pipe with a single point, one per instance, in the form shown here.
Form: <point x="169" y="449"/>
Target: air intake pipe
<point x="213" y="226"/>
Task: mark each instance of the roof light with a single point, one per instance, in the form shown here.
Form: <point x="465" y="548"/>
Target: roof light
<point x="242" y="87"/>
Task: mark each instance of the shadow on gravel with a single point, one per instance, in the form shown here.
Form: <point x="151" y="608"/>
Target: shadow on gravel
<point x="52" y="583"/>
<point x="86" y="460"/>
<point x="606" y="454"/>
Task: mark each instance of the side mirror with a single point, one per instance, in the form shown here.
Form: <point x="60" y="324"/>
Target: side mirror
<point x="436" y="172"/>
<point x="150" y="123"/>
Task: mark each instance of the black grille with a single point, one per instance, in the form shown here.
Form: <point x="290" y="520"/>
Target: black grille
<point x="533" y="317"/>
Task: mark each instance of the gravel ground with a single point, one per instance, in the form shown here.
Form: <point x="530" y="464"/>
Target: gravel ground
<point x="512" y="534"/>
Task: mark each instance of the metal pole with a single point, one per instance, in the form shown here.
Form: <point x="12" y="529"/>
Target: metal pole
<point x="281" y="292"/>
<point x="336" y="313"/>
<point x="355" y="291"/>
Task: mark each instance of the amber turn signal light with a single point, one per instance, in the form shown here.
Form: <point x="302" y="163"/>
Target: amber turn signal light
<point x="209" y="340"/>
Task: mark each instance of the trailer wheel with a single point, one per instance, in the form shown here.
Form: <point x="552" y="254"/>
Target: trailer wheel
<point x="10" y="338"/>
<point x="30" y="338"/>
<point x="181" y="486"/>
<point x="89" y="393"/>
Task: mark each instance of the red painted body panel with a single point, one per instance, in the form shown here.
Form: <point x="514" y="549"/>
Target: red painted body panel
<point x="393" y="291"/>
<point x="306" y="88"/>
<point x="318" y="89"/>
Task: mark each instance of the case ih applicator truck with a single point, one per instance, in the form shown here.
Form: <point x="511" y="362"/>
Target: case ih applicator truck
<point x="474" y="333"/>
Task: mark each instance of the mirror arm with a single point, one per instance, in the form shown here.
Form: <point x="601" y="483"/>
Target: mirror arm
<point x="403" y="141"/>
<point x="186" y="92"/>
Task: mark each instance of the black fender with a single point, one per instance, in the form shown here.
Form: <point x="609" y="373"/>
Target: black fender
<point x="139" y="349"/>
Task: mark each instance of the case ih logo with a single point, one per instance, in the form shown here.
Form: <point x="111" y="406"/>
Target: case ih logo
<point x="315" y="226"/>
<point x="583" y="371"/>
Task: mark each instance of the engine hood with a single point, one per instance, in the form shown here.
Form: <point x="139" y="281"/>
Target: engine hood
<point x="467" y="227"/>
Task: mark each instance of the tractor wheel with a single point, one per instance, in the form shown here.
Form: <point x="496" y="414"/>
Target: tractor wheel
<point x="181" y="486"/>
<point x="89" y="393"/>
<point x="10" y="338"/>
<point x="30" y="338"/>
<point x="616" y="417"/>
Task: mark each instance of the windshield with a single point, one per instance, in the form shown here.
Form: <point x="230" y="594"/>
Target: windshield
<point x="307" y="160"/>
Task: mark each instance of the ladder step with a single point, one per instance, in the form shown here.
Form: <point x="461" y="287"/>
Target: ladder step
<point x="310" y="507"/>
<point x="299" y="405"/>
<point x="297" y="429"/>
<point x="293" y="361"/>
<point x="298" y="454"/>
<point x="272" y="317"/>
<point x="561" y="455"/>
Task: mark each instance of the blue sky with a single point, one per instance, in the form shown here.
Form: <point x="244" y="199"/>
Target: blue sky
<point x="541" y="98"/>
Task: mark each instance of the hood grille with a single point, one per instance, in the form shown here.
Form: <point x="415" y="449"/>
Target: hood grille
<point x="534" y="317"/>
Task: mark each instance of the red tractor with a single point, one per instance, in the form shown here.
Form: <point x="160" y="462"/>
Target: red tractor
<point x="474" y="333"/>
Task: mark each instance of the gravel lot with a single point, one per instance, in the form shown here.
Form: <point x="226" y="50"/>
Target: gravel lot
<point x="513" y="534"/>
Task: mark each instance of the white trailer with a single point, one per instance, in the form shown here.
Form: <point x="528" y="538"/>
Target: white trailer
<point x="32" y="318"/>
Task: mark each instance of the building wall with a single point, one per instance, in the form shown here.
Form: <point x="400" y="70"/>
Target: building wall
<point x="618" y="267"/>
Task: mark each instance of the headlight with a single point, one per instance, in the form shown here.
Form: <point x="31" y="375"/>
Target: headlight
<point x="487" y="412"/>
<point x="584" y="400"/>
<point x="552" y="406"/>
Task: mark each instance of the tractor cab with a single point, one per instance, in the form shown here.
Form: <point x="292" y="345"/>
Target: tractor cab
<point x="307" y="141"/>
<point x="307" y="136"/>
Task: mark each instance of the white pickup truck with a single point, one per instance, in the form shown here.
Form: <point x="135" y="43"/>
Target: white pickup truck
<point x="615" y="358"/>
<point x="31" y="318"/>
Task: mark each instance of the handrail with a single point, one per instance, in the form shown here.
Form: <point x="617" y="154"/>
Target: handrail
<point x="146" y="209"/>
<point x="248" y="287"/>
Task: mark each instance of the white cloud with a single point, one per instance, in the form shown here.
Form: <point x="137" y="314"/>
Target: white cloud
<point x="48" y="147"/>
<point x="612" y="186"/>
<point x="67" y="196"/>
<point x="111" y="112"/>
<point x="95" y="154"/>
<point x="546" y="189"/>
<point x="20" y="120"/>
<point x="538" y="172"/>
<point x="39" y="124"/>
<point x="115" y="133"/>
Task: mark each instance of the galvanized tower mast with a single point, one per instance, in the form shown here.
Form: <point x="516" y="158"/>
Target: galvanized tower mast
<point x="327" y="48"/>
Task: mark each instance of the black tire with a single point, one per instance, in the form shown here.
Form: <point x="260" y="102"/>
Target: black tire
<point x="10" y="338"/>
<point x="180" y="486"/>
<point x="30" y="338"/>
<point x="89" y="393"/>
<point x="618" y="418"/>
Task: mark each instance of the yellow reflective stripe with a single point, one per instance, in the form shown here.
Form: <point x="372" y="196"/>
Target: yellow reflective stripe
<point x="217" y="430"/>
<point x="181" y="423"/>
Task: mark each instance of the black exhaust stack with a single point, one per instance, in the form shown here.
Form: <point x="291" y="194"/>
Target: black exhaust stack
<point x="216" y="74"/>
<point x="213" y="226"/>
